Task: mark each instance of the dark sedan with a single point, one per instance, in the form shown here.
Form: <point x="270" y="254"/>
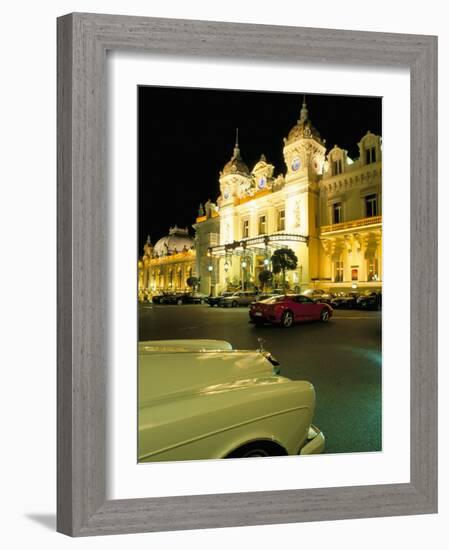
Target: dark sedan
<point x="318" y="295"/>
<point x="344" y="301"/>
<point x="177" y="298"/>
<point x="215" y="300"/>
<point x="194" y="298"/>
<point x="160" y="298"/>
<point x="370" y="300"/>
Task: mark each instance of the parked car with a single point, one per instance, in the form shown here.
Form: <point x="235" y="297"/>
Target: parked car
<point x="288" y="309"/>
<point x="215" y="300"/>
<point x="270" y="294"/>
<point x="194" y="298"/>
<point x="370" y="299"/>
<point x="264" y="296"/>
<point x="345" y="300"/>
<point x="240" y="298"/>
<point x="200" y="399"/>
<point x="318" y="295"/>
<point x="159" y="298"/>
<point x="174" y="298"/>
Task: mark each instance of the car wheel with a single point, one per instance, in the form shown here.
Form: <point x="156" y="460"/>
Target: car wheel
<point x="258" y="449"/>
<point x="234" y="304"/>
<point x="253" y="453"/>
<point x="179" y="302"/>
<point x="287" y="319"/>
<point x="324" y="316"/>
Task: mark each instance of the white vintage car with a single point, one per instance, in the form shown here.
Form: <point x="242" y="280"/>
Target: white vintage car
<point x="201" y="399"/>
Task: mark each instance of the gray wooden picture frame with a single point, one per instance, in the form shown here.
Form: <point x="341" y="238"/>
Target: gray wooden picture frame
<point x="83" y="40"/>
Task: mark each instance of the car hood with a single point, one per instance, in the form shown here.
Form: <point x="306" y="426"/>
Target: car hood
<point x="197" y="344"/>
<point x="167" y="375"/>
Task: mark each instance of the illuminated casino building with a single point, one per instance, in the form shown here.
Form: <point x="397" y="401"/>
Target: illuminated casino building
<point x="324" y="205"/>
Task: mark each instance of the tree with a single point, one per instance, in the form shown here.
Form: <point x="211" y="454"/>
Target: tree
<point x="282" y="260"/>
<point x="265" y="277"/>
<point x="193" y="282"/>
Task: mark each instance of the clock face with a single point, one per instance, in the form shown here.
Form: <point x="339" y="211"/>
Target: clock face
<point x="296" y="164"/>
<point x="262" y="182"/>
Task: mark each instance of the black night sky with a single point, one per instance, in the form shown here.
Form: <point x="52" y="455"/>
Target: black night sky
<point x="187" y="135"/>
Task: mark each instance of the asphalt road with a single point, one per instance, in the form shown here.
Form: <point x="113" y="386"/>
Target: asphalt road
<point x="342" y="358"/>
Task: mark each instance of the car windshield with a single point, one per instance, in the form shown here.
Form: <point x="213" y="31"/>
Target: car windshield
<point x="274" y="299"/>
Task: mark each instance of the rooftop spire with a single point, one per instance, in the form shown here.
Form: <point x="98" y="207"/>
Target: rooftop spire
<point x="304" y="115"/>
<point x="236" y="146"/>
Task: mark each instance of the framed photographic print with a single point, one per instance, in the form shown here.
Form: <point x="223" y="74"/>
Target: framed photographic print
<point x="270" y="251"/>
<point x="247" y="269"/>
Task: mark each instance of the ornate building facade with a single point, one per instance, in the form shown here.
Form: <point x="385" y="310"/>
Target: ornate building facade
<point x="326" y="207"/>
<point x="168" y="264"/>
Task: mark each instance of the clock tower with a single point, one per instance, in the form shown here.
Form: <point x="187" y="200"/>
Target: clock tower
<point x="304" y="155"/>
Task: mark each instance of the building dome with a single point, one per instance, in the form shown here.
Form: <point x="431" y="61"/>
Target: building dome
<point x="236" y="164"/>
<point x="177" y="240"/>
<point x="303" y="128"/>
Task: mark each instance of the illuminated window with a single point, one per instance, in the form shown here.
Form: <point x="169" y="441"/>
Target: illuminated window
<point x="336" y="213"/>
<point x="337" y="167"/>
<point x="245" y="229"/>
<point x="370" y="155"/>
<point x="373" y="269"/>
<point x="371" y="205"/>
<point x="338" y="272"/>
<point x="281" y="220"/>
<point x="262" y="225"/>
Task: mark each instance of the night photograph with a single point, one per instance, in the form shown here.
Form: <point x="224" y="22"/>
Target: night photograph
<point x="259" y="274"/>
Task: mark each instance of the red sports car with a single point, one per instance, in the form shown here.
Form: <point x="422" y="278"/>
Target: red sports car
<point x="287" y="309"/>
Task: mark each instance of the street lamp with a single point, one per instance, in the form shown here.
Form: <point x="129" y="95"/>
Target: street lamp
<point x="210" y="268"/>
<point x="243" y="265"/>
